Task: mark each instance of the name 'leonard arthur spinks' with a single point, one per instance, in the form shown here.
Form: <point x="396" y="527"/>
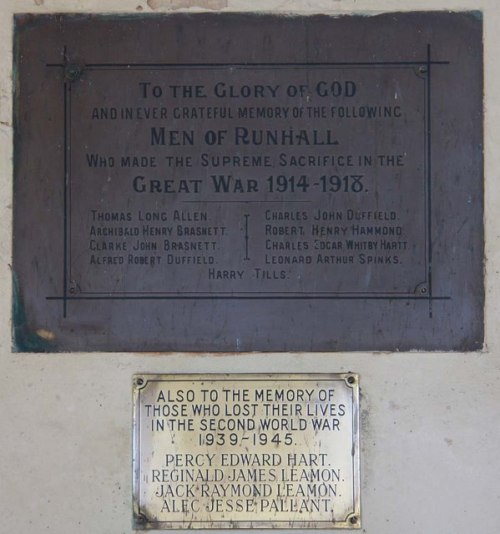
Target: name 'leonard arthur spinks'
<point x="241" y="136"/>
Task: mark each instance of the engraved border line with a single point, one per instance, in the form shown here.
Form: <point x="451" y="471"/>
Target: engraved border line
<point x="254" y="65"/>
<point x="97" y="66"/>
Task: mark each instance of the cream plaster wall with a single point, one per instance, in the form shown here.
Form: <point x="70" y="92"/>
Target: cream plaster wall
<point x="431" y="422"/>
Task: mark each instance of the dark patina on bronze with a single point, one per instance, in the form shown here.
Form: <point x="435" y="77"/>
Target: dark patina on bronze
<point x="196" y="183"/>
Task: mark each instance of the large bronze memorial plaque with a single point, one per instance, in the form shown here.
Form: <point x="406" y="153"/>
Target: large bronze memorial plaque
<point x="234" y="182"/>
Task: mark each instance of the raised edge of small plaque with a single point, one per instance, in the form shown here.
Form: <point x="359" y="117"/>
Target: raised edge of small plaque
<point x="246" y="451"/>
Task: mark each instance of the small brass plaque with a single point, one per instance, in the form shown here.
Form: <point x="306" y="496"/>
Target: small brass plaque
<point x="246" y="451"/>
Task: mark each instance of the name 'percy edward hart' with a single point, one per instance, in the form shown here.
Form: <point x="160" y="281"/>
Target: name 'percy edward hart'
<point x="251" y="459"/>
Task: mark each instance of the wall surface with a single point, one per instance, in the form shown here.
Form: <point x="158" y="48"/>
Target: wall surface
<point x="430" y="421"/>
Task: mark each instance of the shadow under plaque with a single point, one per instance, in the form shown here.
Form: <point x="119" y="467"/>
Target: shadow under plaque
<point x="241" y="182"/>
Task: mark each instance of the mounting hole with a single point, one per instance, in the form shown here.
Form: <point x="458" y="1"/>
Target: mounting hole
<point x="351" y="380"/>
<point x="353" y="520"/>
<point x="422" y="70"/>
<point x="72" y="72"/>
<point x="422" y="289"/>
<point x="140" y="381"/>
